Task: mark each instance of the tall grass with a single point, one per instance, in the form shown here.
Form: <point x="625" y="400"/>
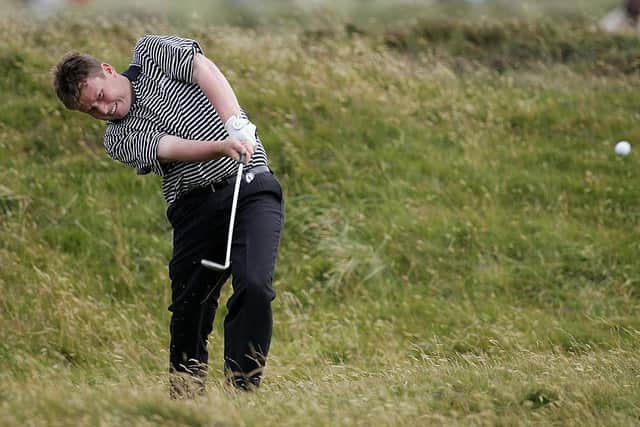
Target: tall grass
<point x="460" y="244"/>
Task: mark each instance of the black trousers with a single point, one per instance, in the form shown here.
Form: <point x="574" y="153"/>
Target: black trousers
<point x="200" y="230"/>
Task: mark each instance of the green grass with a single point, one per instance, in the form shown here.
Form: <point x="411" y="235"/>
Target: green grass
<point x="460" y="243"/>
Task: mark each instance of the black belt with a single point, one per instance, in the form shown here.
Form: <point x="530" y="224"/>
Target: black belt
<point x="219" y="185"/>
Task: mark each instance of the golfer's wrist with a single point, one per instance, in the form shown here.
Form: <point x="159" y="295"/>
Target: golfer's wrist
<point x="235" y="123"/>
<point x="241" y="129"/>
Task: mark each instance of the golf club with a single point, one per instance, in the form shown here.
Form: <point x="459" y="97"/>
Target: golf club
<point x="214" y="265"/>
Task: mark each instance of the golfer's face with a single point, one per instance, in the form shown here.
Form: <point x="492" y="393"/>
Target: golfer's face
<point x="105" y="98"/>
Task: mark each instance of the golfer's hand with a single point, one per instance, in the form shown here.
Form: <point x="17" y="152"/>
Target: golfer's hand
<point x="234" y="148"/>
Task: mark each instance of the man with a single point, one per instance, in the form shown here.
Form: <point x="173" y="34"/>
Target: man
<point x="623" y="18"/>
<point x="172" y="112"/>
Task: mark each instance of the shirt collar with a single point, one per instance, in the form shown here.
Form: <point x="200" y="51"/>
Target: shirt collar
<point x="133" y="72"/>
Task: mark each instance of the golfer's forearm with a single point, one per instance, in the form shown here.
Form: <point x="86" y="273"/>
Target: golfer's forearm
<point x="171" y="148"/>
<point x="215" y="86"/>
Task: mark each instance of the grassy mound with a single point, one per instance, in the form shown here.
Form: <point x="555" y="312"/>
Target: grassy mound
<point x="460" y="243"/>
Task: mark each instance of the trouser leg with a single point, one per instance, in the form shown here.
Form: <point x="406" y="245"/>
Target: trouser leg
<point x="194" y="304"/>
<point x="198" y="228"/>
<point x="248" y="324"/>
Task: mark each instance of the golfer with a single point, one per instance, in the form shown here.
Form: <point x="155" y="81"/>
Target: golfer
<point x="172" y="112"/>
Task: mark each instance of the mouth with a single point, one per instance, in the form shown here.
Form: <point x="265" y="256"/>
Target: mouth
<point x="113" y="109"/>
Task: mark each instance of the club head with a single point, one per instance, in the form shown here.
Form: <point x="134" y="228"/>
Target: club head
<point x="214" y="265"/>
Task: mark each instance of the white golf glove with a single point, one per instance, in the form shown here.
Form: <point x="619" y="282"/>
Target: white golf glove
<point x="241" y="129"/>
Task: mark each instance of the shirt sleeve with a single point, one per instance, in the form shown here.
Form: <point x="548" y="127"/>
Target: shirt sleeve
<point x="173" y="55"/>
<point x="137" y="149"/>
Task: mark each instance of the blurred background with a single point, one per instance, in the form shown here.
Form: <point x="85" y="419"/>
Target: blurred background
<point x="257" y="13"/>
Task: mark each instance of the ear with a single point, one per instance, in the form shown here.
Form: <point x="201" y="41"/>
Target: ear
<point x="108" y="68"/>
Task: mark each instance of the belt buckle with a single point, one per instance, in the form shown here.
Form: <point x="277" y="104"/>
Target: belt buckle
<point x="249" y="177"/>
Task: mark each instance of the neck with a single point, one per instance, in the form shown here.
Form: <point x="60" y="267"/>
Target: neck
<point x="131" y="91"/>
<point x="126" y="83"/>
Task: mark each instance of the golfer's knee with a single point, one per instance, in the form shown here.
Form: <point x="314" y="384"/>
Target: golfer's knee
<point x="258" y="292"/>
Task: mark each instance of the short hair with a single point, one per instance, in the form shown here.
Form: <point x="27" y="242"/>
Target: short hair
<point x="70" y="73"/>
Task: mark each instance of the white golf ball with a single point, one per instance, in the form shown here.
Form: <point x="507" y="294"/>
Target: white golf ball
<point x="623" y="148"/>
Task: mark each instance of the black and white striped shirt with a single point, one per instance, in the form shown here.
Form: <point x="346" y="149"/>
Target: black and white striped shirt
<point x="167" y="102"/>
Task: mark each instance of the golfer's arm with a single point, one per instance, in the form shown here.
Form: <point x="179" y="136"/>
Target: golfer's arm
<point x="171" y="149"/>
<point x="215" y="86"/>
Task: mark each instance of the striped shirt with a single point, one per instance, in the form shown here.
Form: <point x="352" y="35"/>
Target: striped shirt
<point x="168" y="102"/>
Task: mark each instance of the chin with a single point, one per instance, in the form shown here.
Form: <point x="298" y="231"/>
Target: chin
<point x="122" y="114"/>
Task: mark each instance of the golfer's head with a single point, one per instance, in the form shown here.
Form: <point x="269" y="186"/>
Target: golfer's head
<point x="85" y="84"/>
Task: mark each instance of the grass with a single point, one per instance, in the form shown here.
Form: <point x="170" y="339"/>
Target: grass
<point x="460" y="243"/>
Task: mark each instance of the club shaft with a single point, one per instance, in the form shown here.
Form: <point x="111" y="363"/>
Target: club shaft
<point x="234" y="206"/>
